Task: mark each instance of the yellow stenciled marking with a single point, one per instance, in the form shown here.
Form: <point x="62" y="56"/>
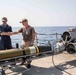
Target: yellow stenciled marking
<point x="37" y="49"/>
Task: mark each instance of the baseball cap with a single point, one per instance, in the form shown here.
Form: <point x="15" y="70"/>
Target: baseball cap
<point x="24" y="20"/>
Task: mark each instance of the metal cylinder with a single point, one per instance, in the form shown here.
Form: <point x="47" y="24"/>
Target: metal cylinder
<point x="44" y="48"/>
<point x="25" y="51"/>
<point x="69" y="35"/>
<point x="71" y="48"/>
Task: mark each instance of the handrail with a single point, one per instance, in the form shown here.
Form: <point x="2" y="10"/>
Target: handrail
<point x="48" y="34"/>
<point x="37" y="40"/>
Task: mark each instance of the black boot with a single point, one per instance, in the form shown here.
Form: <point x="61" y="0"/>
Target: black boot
<point x="28" y="66"/>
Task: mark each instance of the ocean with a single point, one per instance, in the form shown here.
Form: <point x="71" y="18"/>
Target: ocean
<point x="44" y="34"/>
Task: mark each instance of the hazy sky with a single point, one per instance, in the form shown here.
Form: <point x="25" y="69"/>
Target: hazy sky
<point x="39" y="12"/>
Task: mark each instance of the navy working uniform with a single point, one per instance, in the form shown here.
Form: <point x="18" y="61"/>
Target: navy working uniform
<point x="5" y="41"/>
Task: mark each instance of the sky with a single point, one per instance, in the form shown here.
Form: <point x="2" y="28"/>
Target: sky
<point x="39" y="12"/>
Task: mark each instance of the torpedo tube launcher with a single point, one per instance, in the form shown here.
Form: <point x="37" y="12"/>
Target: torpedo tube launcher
<point x="69" y="35"/>
<point x="71" y="48"/>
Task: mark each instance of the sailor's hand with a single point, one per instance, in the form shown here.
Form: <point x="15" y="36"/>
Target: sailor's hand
<point x="9" y="33"/>
<point x="6" y="33"/>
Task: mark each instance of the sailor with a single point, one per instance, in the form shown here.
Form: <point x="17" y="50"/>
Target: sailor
<point x="5" y="40"/>
<point x="28" y="34"/>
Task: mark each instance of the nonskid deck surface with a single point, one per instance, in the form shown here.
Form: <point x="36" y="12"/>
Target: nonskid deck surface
<point x="44" y="66"/>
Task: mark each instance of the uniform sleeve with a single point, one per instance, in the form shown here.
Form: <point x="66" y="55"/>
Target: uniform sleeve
<point x="1" y="30"/>
<point x="20" y="30"/>
<point x="33" y="36"/>
<point x="33" y="30"/>
<point x="10" y="29"/>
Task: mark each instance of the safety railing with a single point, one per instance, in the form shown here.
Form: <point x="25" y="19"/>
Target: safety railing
<point x="48" y="40"/>
<point x="38" y="40"/>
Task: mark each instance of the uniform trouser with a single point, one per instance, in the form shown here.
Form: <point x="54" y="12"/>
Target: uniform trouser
<point x="26" y="44"/>
<point x="5" y="44"/>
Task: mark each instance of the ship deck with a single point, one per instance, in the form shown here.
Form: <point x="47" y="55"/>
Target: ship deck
<point x="44" y="66"/>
